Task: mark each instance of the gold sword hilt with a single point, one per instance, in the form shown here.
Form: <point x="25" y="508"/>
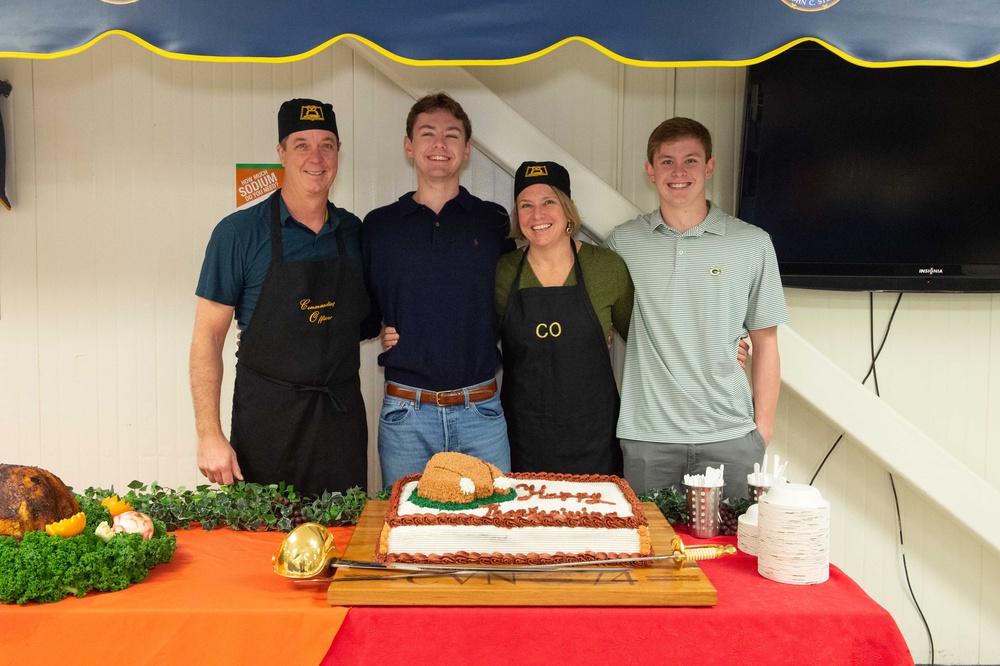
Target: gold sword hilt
<point x="696" y="553"/>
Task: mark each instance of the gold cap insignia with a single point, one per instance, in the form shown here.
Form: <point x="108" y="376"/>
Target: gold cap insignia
<point x="535" y="171"/>
<point x="311" y="112"/>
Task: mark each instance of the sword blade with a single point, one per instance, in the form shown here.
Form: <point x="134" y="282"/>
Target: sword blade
<point x="678" y="556"/>
<point x="403" y="566"/>
<point x="460" y="572"/>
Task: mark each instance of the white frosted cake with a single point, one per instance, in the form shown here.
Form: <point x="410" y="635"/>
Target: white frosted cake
<point x="552" y="518"/>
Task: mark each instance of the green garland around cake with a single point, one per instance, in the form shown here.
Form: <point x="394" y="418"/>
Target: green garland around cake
<point x="671" y="503"/>
<point x="252" y="506"/>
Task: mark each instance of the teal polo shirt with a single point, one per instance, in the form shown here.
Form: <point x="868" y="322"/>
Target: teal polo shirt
<point x="696" y="294"/>
<point x="239" y="252"/>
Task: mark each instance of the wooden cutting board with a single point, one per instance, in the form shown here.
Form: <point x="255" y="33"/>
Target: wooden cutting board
<point x="662" y="584"/>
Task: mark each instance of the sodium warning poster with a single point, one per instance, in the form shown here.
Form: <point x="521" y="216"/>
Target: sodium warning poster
<point x="254" y="181"/>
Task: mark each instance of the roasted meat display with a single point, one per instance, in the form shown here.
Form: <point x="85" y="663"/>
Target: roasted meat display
<point x="30" y="498"/>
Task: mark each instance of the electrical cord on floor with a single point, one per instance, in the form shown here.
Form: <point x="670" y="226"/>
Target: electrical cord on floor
<point x="875" y="353"/>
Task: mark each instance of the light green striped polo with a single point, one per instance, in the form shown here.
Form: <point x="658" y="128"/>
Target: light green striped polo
<point x="696" y="295"/>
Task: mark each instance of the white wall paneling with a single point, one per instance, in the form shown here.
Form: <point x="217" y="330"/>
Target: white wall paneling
<point x="20" y="417"/>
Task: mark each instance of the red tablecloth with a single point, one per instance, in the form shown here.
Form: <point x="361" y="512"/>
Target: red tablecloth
<point x="218" y="602"/>
<point x="756" y="621"/>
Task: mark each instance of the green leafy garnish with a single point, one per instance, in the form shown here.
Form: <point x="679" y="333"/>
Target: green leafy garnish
<point x="47" y="568"/>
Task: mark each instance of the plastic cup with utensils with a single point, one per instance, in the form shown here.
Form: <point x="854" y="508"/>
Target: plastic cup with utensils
<point x="754" y="492"/>
<point x="703" y="510"/>
<point x="758" y="484"/>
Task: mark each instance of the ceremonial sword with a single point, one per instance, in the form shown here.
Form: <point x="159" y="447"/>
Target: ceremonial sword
<point x="679" y="557"/>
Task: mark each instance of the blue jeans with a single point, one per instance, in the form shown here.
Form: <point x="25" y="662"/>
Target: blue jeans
<point x="410" y="432"/>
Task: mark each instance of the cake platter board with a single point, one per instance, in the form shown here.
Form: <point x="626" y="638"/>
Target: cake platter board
<point x="663" y="584"/>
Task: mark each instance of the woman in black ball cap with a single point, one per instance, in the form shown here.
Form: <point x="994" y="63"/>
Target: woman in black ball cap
<point x="557" y="301"/>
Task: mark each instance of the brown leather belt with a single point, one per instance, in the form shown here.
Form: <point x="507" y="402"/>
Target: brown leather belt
<point x="443" y="398"/>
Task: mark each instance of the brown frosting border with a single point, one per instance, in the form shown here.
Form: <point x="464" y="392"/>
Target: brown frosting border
<point x="509" y="559"/>
<point x="537" y="518"/>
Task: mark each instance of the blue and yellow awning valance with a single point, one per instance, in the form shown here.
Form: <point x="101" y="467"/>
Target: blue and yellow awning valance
<point x="653" y="33"/>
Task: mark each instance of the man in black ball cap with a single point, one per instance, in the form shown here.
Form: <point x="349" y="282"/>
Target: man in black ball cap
<point x="289" y="269"/>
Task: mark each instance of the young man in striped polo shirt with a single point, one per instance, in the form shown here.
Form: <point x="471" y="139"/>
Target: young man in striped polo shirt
<point x="703" y="280"/>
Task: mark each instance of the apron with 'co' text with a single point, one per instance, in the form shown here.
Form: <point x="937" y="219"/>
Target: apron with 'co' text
<point x="559" y="393"/>
<point x="298" y="414"/>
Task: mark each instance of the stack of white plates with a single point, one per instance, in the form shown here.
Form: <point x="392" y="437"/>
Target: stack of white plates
<point x="746" y="533"/>
<point x="793" y="535"/>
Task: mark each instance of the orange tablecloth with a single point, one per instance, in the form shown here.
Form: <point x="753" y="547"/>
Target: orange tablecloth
<point x="217" y="601"/>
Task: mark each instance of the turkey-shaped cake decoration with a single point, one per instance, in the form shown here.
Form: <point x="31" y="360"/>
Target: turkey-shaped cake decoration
<point x="459" y="479"/>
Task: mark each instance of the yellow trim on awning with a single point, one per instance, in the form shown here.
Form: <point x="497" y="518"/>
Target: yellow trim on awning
<point x="497" y="62"/>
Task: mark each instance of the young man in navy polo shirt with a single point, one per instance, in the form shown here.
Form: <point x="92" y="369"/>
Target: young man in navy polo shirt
<point x="429" y="264"/>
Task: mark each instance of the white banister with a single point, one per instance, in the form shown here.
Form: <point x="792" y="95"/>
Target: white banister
<point x="895" y="442"/>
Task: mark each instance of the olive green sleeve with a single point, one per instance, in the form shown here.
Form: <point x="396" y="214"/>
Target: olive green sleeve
<point x="621" y="308"/>
<point x="609" y="287"/>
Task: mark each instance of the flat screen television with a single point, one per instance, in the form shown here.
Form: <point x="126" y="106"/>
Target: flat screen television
<point x="874" y="179"/>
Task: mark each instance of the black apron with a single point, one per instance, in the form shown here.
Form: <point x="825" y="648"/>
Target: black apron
<point x="559" y="393"/>
<point x="298" y="414"/>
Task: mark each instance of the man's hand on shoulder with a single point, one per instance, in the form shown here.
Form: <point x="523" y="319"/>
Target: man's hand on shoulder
<point x="217" y="460"/>
<point x="388" y="336"/>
